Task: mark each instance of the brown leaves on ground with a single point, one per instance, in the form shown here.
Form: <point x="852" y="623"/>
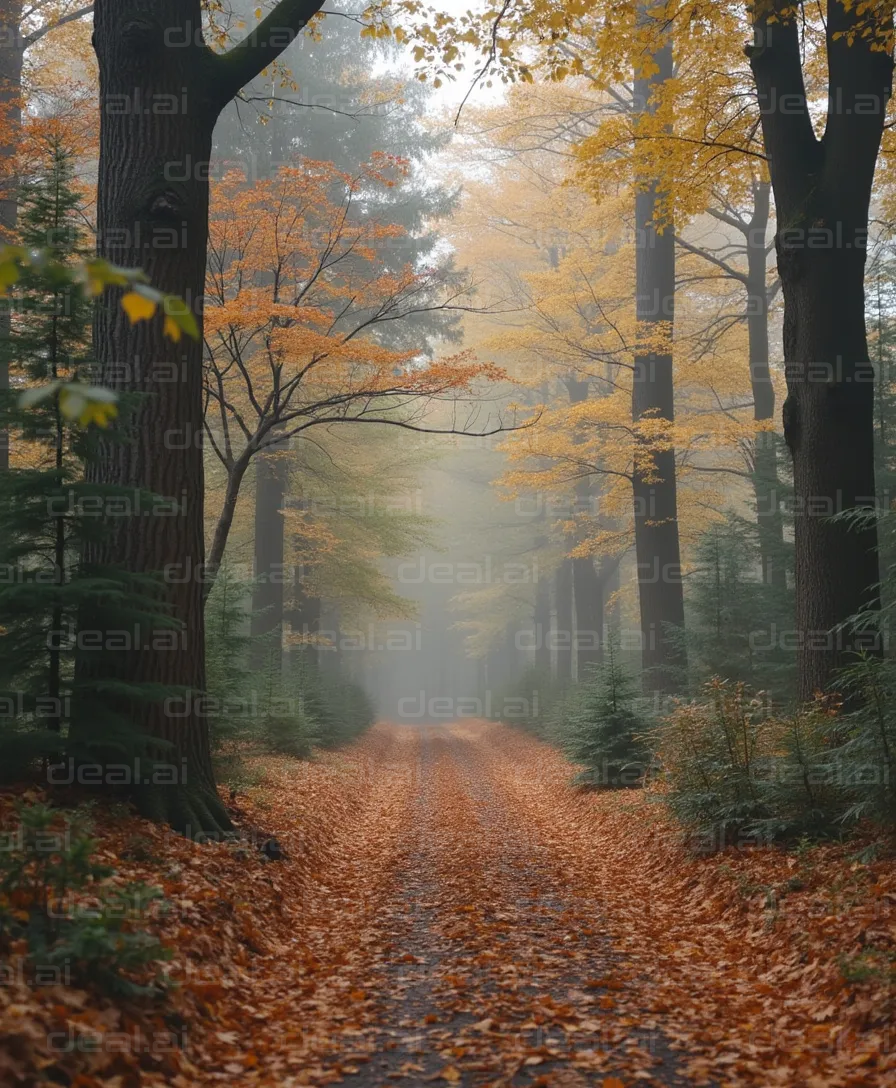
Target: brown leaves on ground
<point x="451" y="911"/>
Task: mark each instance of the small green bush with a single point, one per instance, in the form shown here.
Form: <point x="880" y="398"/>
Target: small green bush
<point x="865" y="758"/>
<point x="714" y="755"/>
<point x="54" y="897"/>
<point x="288" y="734"/>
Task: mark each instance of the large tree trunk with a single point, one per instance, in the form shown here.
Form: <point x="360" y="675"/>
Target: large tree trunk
<point x="829" y="429"/>
<point x="152" y="213"/>
<point x="161" y="90"/>
<point x="766" y="486"/>
<point x="657" y="549"/>
<point x="822" y="193"/>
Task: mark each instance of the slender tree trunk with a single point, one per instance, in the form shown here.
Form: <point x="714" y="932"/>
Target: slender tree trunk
<point x="270" y="571"/>
<point x="588" y="594"/>
<point x="235" y="474"/>
<point x="822" y="194"/>
<point x="612" y="580"/>
<point x="655" y="500"/>
<point x="54" y="685"/>
<point x="12" y="53"/>
<point x="564" y="631"/>
<point x="304" y="616"/>
<point x="542" y="621"/>
<point x="766" y="485"/>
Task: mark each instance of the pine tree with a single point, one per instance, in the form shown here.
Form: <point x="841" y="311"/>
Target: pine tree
<point x="48" y="513"/>
<point x="604" y="729"/>
<point x="740" y="628"/>
<point x="49" y="329"/>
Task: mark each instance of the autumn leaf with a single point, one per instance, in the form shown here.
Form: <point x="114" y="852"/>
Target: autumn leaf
<point x="138" y="307"/>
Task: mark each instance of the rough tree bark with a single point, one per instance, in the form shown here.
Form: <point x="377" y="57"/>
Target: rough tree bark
<point x="657" y="549"/>
<point x="161" y="90"/>
<point x="822" y="193"/>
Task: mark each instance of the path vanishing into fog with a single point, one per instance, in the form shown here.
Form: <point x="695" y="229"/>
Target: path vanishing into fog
<point x="448" y="931"/>
<point x="500" y="970"/>
<point x="453" y="911"/>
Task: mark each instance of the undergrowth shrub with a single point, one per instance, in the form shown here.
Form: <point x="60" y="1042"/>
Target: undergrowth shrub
<point x="287" y="706"/>
<point x="289" y="734"/>
<point x="75" y="926"/>
<point x="352" y="711"/>
<point x="865" y="758"/>
<point x="533" y="702"/>
<point x="733" y="772"/>
<point x="734" y="620"/>
<point x="803" y="793"/>
<point x="715" y="756"/>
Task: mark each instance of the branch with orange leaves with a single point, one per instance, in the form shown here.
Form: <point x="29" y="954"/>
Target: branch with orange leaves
<point x="301" y="311"/>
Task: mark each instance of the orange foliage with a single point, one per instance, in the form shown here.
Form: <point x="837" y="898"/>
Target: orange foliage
<point x="298" y="298"/>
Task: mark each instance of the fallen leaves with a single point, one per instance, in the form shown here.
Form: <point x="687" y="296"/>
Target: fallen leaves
<point x="452" y="912"/>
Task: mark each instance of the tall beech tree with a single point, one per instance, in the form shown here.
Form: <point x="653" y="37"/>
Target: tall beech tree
<point x="161" y="91"/>
<point x="822" y="188"/>
<point x="657" y="546"/>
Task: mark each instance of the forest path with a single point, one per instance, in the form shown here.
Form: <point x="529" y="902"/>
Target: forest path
<point x="499" y="972"/>
<point x="453" y="911"/>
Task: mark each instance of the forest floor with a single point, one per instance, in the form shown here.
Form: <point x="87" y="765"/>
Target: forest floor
<point x="452" y="911"/>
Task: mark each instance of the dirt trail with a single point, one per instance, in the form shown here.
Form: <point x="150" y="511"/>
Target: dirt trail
<point x="471" y="919"/>
<point x="450" y="911"/>
<point x="500" y="972"/>
<point x="443" y="942"/>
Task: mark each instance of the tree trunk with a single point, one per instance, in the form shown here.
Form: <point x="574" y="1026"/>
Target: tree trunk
<point x="766" y="486"/>
<point x="12" y="51"/>
<point x="235" y="475"/>
<point x="588" y="594"/>
<point x="542" y="621"/>
<point x="660" y="590"/>
<point x="268" y="590"/>
<point x="563" y="634"/>
<point x="152" y="213"/>
<point x="822" y="193"/>
<point x="829" y="429"/>
<point x="304" y="617"/>
<point x="161" y="90"/>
